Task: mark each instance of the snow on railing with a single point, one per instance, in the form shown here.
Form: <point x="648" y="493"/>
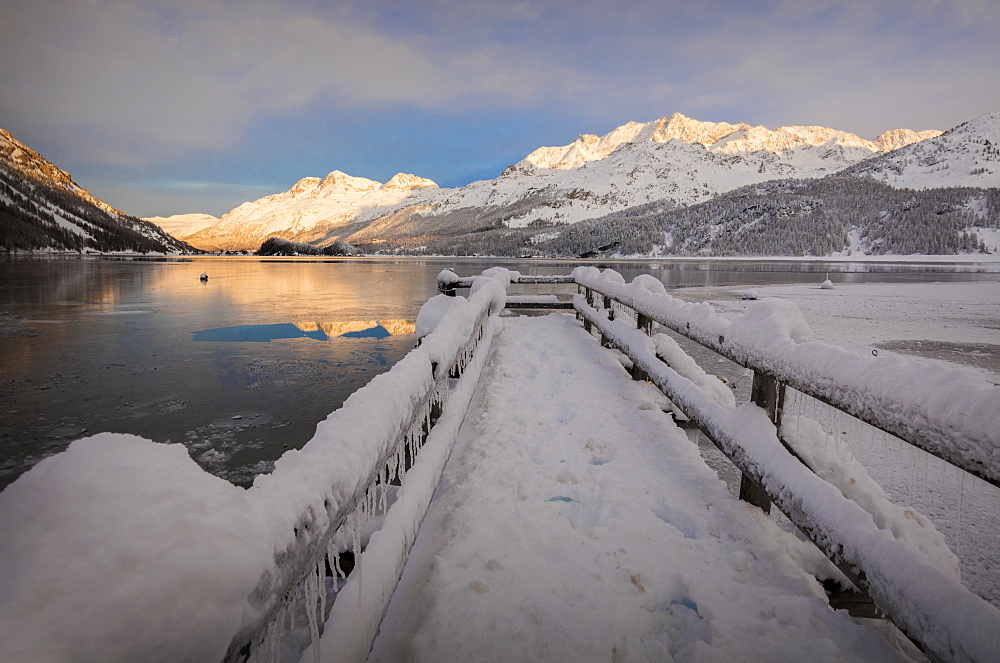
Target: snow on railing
<point x="334" y="481"/>
<point x="903" y="566"/>
<point x="448" y="281"/>
<point x="947" y="412"/>
<point x="126" y="549"/>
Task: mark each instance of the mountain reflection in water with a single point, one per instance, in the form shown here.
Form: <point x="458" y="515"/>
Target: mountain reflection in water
<point x="320" y="331"/>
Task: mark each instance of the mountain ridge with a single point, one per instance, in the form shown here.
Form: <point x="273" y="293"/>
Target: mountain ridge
<point x="42" y="208"/>
<point x="675" y="158"/>
<point x="716" y="136"/>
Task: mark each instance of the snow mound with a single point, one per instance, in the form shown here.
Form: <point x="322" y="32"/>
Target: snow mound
<point x="80" y="547"/>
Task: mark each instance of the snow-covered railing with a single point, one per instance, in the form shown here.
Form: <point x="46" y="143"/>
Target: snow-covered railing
<point x="932" y="608"/>
<point x="942" y="411"/>
<point x="907" y="572"/>
<point x="382" y="426"/>
<point x="123" y="549"/>
<point x="448" y="281"/>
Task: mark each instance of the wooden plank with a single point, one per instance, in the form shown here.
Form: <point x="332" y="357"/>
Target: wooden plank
<point x="645" y="325"/>
<point x="769" y="395"/>
<point x="562" y="278"/>
<point x="467" y="281"/>
<point x="541" y="305"/>
<point x="855" y="603"/>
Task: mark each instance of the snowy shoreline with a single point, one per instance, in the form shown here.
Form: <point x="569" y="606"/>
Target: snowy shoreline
<point x="914" y="259"/>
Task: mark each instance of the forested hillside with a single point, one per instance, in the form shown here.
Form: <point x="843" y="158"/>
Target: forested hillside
<point x="785" y="217"/>
<point x="41" y="208"/>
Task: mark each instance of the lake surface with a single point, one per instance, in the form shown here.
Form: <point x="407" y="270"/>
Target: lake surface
<point x="243" y="366"/>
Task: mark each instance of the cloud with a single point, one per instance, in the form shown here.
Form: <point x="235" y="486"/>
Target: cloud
<point x="142" y="82"/>
<point x="127" y="81"/>
<point x="162" y="198"/>
<point x="859" y="66"/>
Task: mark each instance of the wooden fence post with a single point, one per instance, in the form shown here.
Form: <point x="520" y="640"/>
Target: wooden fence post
<point x="590" y="302"/>
<point x="446" y="289"/>
<point x="769" y="394"/>
<point x="645" y="325"/>
<point x="611" y="316"/>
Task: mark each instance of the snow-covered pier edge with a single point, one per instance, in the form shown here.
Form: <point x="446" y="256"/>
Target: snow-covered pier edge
<point x="125" y="547"/>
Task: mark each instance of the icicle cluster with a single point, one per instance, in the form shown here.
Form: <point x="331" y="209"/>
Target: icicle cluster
<point x="315" y="595"/>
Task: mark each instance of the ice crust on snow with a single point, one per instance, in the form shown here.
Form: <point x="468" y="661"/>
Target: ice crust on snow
<point x="433" y="310"/>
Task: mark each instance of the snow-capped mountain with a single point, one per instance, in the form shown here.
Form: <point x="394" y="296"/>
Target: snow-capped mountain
<point x="675" y="159"/>
<point x="42" y="208"/>
<point x="968" y="155"/>
<point x="717" y="137"/>
<point x="182" y="225"/>
<point x="309" y="211"/>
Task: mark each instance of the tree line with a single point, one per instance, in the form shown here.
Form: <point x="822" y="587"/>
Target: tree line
<point x="813" y="217"/>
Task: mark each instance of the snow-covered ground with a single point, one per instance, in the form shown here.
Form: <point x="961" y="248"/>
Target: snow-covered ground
<point x="875" y="316"/>
<point x="577" y="523"/>
<point x="954" y="322"/>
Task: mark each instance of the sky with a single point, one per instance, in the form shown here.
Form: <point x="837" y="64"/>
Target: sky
<point x="168" y="107"/>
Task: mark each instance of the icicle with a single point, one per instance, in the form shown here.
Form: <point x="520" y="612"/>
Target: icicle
<point x="799" y="406"/>
<point x="409" y="447"/>
<point x="321" y="583"/>
<point x="394" y="467"/>
<point x="266" y="653"/>
<point x="356" y="535"/>
<point x="401" y="461"/>
<point x="385" y="483"/>
<point x="286" y="624"/>
<point x="961" y="501"/>
<point x="311" y="595"/>
<point x="333" y="559"/>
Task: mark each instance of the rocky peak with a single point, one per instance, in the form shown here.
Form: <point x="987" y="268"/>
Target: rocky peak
<point x="897" y="138"/>
<point x="404" y="181"/>
<point x="339" y="182"/>
<point x="718" y="137"/>
<point x="304" y="184"/>
<point x="20" y="157"/>
<point x="689" y="130"/>
<point x="31" y="163"/>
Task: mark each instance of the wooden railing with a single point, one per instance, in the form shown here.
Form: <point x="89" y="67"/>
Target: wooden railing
<point x="872" y="558"/>
<point x="944" y="434"/>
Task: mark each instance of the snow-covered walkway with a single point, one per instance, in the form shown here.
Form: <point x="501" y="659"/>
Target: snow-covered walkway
<point x="576" y="522"/>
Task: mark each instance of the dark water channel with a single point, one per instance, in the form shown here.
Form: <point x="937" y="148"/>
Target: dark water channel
<point x="243" y="366"/>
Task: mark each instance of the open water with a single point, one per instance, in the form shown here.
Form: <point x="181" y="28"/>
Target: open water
<point x="242" y="367"/>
